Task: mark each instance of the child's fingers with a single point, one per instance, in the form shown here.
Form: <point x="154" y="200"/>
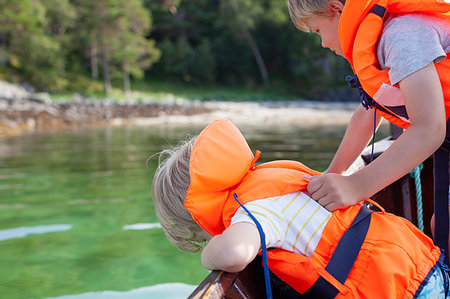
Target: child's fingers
<point x="314" y="184"/>
<point x="331" y="206"/>
<point x="321" y="196"/>
<point x="328" y="202"/>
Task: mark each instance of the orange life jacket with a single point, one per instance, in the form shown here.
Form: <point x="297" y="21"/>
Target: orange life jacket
<point x="359" y="32"/>
<point x="393" y="261"/>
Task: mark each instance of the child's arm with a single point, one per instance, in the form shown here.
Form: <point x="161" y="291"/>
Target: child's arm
<point x="234" y="249"/>
<point x="424" y="101"/>
<point x="358" y="134"/>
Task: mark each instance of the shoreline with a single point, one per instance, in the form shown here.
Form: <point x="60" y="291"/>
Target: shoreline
<point x="23" y="112"/>
<point x="27" y="116"/>
<point x="262" y="114"/>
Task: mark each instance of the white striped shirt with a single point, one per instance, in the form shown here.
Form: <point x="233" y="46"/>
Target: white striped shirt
<point x="293" y="222"/>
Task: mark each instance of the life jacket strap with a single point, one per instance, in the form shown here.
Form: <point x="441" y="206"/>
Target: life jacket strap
<point x="364" y="97"/>
<point x="366" y="100"/>
<point x="441" y="189"/>
<point x="343" y="257"/>
<point x="378" y="10"/>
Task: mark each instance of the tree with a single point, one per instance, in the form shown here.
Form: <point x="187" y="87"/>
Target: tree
<point x="204" y="64"/>
<point x="59" y="44"/>
<point x="177" y="58"/>
<point x="29" y="48"/>
<point x="242" y="21"/>
<point x="115" y="33"/>
<point x="135" y="53"/>
<point x="184" y="31"/>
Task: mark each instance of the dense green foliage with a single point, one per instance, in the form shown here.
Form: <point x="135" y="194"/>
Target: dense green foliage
<point x="86" y="44"/>
<point x="68" y="44"/>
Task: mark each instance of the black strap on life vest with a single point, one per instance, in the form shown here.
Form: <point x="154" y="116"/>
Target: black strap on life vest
<point x="441" y="186"/>
<point x="378" y="10"/>
<point x="343" y="257"/>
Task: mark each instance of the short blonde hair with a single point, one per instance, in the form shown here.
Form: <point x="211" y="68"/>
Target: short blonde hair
<point x="169" y="188"/>
<point x="299" y="10"/>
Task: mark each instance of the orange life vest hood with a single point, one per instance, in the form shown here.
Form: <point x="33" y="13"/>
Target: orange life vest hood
<point x="221" y="161"/>
<point x="359" y="32"/>
<point x="393" y="261"/>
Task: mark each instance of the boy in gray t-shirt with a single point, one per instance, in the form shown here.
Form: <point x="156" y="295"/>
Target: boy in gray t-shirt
<point x="414" y="48"/>
<point x="410" y="42"/>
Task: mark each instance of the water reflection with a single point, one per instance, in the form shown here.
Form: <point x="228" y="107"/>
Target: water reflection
<point x="141" y="226"/>
<point x="20" y="232"/>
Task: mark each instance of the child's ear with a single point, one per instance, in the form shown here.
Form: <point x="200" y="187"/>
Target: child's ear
<point x="336" y="6"/>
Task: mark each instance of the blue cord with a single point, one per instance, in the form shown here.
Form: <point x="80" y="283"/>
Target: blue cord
<point x="263" y="247"/>
<point x="367" y="102"/>
<point x="374" y="132"/>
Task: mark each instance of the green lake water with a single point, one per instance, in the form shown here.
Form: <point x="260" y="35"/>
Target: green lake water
<point x="76" y="216"/>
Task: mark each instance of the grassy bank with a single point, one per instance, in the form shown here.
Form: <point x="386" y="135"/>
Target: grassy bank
<point x="168" y="90"/>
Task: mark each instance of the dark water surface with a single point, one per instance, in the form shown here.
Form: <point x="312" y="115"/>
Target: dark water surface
<point x="76" y="216"/>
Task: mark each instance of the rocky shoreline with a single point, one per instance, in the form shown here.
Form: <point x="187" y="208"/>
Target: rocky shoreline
<point x="22" y="111"/>
<point x="30" y="115"/>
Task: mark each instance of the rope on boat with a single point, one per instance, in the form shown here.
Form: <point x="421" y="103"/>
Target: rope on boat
<point x="415" y="174"/>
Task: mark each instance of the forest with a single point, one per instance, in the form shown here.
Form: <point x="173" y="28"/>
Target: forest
<point x="92" y="45"/>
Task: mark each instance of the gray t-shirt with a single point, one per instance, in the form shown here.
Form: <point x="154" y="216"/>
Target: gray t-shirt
<point x="407" y="44"/>
<point x="410" y="42"/>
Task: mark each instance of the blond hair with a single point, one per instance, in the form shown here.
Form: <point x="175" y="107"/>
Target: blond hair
<point x="169" y="188"/>
<point x="299" y="10"/>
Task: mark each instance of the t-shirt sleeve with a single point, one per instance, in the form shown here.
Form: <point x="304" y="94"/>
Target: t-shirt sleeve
<point x="407" y="45"/>
<point x="268" y="219"/>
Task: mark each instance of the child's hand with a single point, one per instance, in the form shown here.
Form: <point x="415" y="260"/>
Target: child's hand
<point x="333" y="191"/>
